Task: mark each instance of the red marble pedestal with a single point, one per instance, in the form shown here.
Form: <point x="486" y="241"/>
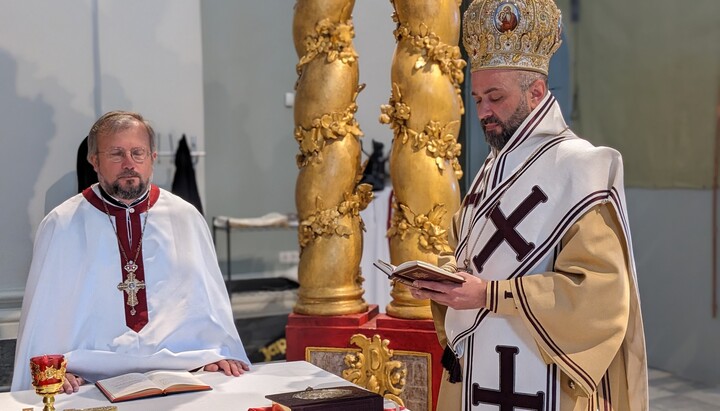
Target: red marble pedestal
<point x="325" y="341"/>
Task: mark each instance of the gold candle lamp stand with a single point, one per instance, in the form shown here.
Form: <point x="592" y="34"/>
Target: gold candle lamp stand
<point x="48" y="375"/>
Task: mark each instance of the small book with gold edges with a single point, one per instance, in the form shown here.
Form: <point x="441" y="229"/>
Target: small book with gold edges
<point x="412" y="270"/>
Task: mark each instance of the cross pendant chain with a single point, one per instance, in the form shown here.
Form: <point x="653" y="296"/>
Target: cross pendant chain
<point x="131" y="286"/>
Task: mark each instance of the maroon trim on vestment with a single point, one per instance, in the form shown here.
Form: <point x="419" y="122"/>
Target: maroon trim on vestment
<point x="494" y="297"/>
<point x="523" y="135"/>
<point x="472" y="198"/>
<point x="607" y="396"/>
<point x="580" y="209"/>
<point x="552" y="385"/>
<point x="140" y="319"/>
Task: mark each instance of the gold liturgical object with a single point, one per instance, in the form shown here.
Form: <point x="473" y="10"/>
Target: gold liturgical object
<point x="424" y="113"/>
<point x="327" y="194"/>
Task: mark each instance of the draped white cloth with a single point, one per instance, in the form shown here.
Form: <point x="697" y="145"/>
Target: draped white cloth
<point x="72" y="305"/>
<point x="376" y="247"/>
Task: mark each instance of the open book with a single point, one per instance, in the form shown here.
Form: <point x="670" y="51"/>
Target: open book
<point x="135" y="385"/>
<point x="412" y="270"/>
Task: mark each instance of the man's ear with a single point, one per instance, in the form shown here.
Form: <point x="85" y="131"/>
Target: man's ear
<point x="536" y="92"/>
<point x="93" y="160"/>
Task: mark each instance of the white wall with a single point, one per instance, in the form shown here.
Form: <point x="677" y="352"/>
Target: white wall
<point x="249" y="65"/>
<point x="375" y="43"/>
<point x="672" y="237"/>
<point x="63" y="64"/>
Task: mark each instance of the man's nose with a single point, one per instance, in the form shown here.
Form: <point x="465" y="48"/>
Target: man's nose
<point x="127" y="161"/>
<point x="483" y="111"/>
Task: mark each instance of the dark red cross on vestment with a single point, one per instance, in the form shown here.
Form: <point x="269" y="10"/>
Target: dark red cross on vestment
<point x="506" y="229"/>
<point x="506" y="397"/>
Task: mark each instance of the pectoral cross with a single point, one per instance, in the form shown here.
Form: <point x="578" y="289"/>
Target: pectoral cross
<point x="131" y="286"/>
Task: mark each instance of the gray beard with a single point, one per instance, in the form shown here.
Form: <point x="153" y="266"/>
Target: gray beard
<point x="131" y="193"/>
<point x="115" y="189"/>
<point x="509" y="127"/>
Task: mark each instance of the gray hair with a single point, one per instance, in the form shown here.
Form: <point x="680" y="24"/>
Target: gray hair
<point x="527" y="78"/>
<point x="114" y="121"/>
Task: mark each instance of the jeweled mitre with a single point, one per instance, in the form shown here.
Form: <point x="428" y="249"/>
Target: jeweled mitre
<point x="515" y="34"/>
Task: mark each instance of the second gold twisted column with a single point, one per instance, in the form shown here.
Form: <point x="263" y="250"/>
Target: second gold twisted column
<point x="424" y="112"/>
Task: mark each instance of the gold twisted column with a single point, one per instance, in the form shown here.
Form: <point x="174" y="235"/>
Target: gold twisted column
<point x="327" y="194"/>
<point x="424" y="112"/>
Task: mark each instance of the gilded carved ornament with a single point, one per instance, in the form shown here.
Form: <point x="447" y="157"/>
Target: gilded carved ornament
<point x="330" y="126"/>
<point x="48" y="373"/>
<point x="397" y="114"/>
<point x="326" y="222"/>
<point x="435" y="138"/>
<point x="433" y="237"/>
<point x="373" y="368"/>
<point x="431" y="50"/>
<point x="441" y="144"/>
<point x="332" y="39"/>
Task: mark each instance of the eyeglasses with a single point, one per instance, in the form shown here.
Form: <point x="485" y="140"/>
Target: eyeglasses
<point x="117" y="154"/>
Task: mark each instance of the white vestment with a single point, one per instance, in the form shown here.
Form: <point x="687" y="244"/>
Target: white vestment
<point x="73" y="306"/>
<point x="526" y="198"/>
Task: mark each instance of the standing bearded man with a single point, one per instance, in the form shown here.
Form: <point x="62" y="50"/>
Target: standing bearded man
<point x="124" y="276"/>
<point x="549" y="315"/>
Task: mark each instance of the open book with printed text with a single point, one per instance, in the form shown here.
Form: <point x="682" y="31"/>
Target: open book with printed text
<point x="412" y="270"/>
<point x="136" y="385"/>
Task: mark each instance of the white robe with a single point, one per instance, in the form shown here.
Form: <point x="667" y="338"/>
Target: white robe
<point x="522" y="344"/>
<point x="72" y="305"/>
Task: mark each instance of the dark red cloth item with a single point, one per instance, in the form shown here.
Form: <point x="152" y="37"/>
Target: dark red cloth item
<point x="137" y="321"/>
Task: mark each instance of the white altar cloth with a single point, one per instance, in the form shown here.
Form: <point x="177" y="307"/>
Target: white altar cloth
<point x="228" y="393"/>
<point x="375" y="246"/>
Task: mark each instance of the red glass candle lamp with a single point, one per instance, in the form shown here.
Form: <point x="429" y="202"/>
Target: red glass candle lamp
<point x="48" y="374"/>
